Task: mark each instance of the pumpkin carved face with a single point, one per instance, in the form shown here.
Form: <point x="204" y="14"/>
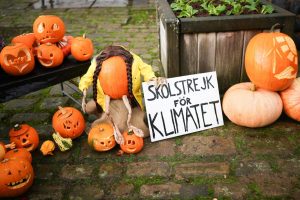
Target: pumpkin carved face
<point x="133" y="143"/>
<point x="48" y="28"/>
<point x="49" y="55"/>
<point x="17" y="59"/>
<point x="82" y="48"/>
<point x="101" y="137"/>
<point x="24" y="136"/>
<point x="19" y="153"/>
<point x="16" y="177"/>
<point x="69" y="122"/>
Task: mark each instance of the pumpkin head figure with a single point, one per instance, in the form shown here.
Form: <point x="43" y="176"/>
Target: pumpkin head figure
<point x="28" y="39"/>
<point x="82" y="48"/>
<point x="19" y="153"/>
<point x="17" y="59"/>
<point x="69" y="122"/>
<point x="101" y="137"/>
<point x="24" y="136"/>
<point x="133" y="143"/>
<point x="16" y="177"/>
<point x="49" y="55"/>
<point x="48" y="28"/>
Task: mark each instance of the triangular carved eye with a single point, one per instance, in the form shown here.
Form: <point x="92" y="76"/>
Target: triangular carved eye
<point x="55" y="27"/>
<point x="41" y="27"/>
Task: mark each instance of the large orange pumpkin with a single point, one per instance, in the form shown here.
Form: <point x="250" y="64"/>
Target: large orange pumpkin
<point x="271" y="61"/>
<point x="24" y="136"/>
<point x="19" y="153"/>
<point x="17" y="59"/>
<point x="291" y="100"/>
<point x="82" y="48"/>
<point x="101" y="137"/>
<point x="132" y="143"/>
<point x="49" y="55"/>
<point x="69" y="122"/>
<point x="2" y="150"/>
<point x="246" y="106"/>
<point x="28" y="39"/>
<point x="114" y="72"/>
<point x="48" y="29"/>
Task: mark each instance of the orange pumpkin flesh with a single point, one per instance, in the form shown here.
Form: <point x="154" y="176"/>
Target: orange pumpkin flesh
<point x="2" y="150"/>
<point x="69" y="122"/>
<point x="24" y="136"/>
<point x="16" y="177"/>
<point x="132" y="143"/>
<point x="17" y="59"/>
<point x="114" y="71"/>
<point x="82" y="48"/>
<point x="101" y="137"/>
<point x="28" y="39"/>
<point x="246" y="106"/>
<point x="49" y="55"/>
<point x="65" y="44"/>
<point x="271" y="61"/>
<point x="19" y="153"/>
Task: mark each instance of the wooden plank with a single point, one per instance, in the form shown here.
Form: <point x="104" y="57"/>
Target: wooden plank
<point x="163" y="46"/>
<point x="189" y="54"/>
<point x="206" y="52"/>
<point x="228" y="58"/>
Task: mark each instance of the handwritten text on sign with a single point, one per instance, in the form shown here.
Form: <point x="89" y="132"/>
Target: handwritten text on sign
<point x="183" y="105"/>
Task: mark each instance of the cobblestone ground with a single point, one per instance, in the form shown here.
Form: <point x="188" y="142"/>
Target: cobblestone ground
<point x="228" y="162"/>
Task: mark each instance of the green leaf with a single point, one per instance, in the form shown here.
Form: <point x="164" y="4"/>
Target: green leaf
<point x="267" y="9"/>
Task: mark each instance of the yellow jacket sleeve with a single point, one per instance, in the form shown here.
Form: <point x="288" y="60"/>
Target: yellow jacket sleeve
<point x="87" y="80"/>
<point x="145" y="69"/>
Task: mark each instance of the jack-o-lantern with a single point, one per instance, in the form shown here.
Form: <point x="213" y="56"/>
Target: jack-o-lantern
<point x="16" y="177"/>
<point x="17" y="59"/>
<point x="82" y="48"/>
<point x="69" y="122"/>
<point x="132" y="143"/>
<point x="2" y="150"/>
<point x="28" y="39"/>
<point x="19" y="153"/>
<point x="65" y="44"/>
<point x="101" y="137"/>
<point x="48" y="28"/>
<point x="49" y="55"/>
<point x="24" y="136"/>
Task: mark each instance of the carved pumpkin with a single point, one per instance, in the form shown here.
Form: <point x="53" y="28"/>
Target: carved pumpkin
<point x="132" y="143"/>
<point x="17" y="59"/>
<point x="16" y="177"/>
<point x="68" y="122"/>
<point x="82" y="48"/>
<point x="271" y="61"/>
<point x="246" y="106"/>
<point x="19" y="153"/>
<point x="48" y="29"/>
<point x="101" y="137"/>
<point x="28" y="39"/>
<point x="24" y="136"/>
<point x="65" y="45"/>
<point x="49" y="55"/>
<point x="114" y="71"/>
<point x="291" y="100"/>
<point x="2" y="150"/>
<point x="47" y="147"/>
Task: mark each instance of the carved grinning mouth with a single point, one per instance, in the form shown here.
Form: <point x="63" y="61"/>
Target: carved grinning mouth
<point x="28" y="147"/>
<point x="45" y="62"/>
<point x="48" y="38"/>
<point x="20" y="183"/>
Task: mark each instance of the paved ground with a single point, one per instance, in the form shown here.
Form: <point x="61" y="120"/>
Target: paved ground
<point x="228" y="162"/>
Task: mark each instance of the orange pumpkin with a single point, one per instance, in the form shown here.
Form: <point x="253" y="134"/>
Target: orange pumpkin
<point x="271" y="61"/>
<point x="49" y="55"/>
<point x="246" y="106"/>
<point x="48" y="29"/>
<point x="28" y="39"/>
<point x="16" y="177"/>
<point x="132" y="143"/>
<point x="291" y="100"/>
<point x="65" y="44"/>
<point x="69" y="122"/>
<point x="17" y="59"/>
<point x="19" y="153"/>
<point x="2" y="150"/>
<point x="101" y="137"/>
<point x="114" y="71"/>
<point x="82" y="48"/>
<point x="24" y="136"/>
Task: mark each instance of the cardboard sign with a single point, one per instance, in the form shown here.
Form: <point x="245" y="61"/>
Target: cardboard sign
<point x="183" y="105"/>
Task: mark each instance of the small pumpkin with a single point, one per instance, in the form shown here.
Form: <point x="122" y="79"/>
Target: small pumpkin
<point x="24" y="136"/>
<point x="82" y="48"/>
<point x="108" y="75"/>
<point x="49" y="55"/>
<point x="28" y="39"/>
<point x="64" y="144"/>
<point x="19" y="153"/>
<point x="16" y="177"/>
<point x="271" y="61"/>
<point x="252" y="107"/>
<point x="17" y="59"/>
<point x="291" y="100"/>
<point x="101" y="137"/>
<point x="132" y="143"/>
<point x="48" y="29"/>
<point x="69" y="122"/>
<point x="65" y="45"/>
<point x="47" y="147"/>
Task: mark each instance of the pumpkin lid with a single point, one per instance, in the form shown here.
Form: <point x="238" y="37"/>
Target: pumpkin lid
<point x="18" y="129"/>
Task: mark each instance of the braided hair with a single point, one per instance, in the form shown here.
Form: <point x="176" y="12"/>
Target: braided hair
<point x="108" y="52"/>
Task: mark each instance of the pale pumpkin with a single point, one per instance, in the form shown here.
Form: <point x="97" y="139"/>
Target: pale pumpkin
<point x="47" y="147"/>
<point x="246" y="106"/>
<point x="291" y="100"/>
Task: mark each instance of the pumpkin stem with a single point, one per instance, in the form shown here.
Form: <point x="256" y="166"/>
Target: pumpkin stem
<point x="252" y="87"/>
<point x="84" y="35"/>
<point x="17" y="127"/>
<point x="273" y="27"/>
<point x="63" y="111"/>
<point x="130" y="132"/>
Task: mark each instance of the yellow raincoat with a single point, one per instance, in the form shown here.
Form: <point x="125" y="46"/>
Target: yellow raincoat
<point x="139" y="68"/>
